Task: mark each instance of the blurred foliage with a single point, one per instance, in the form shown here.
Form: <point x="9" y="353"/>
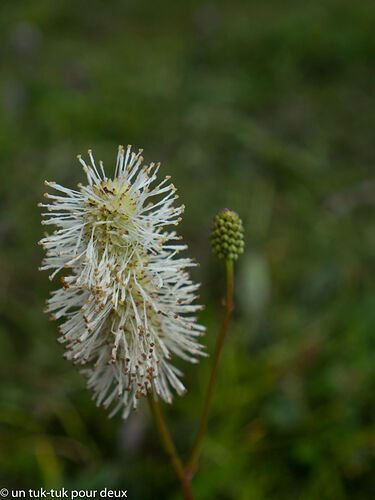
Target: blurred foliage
<point x="264" y="107"/>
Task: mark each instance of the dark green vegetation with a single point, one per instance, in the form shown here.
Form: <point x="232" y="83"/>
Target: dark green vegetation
<point x="267" y="108"/>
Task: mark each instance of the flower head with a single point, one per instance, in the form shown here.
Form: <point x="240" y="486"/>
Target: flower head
<point x="227" y="235"/>
<point x="127" y="300"/>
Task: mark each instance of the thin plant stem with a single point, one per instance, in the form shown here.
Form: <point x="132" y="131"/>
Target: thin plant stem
<point x="192" y="463"/>
<point x="170" y="450"/>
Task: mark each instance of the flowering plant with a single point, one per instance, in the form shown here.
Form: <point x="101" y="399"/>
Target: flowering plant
<point x="127" y="301"/>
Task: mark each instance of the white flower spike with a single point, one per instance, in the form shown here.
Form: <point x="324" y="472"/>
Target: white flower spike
<point x="127" y="301"/>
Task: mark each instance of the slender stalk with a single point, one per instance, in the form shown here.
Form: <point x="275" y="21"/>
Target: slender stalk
<point x="192" y="463"/>
<point x="170" y="449"/>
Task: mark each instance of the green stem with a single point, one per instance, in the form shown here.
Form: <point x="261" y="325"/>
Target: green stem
<point x="170" y="449"/>
<point x="192" y="463"/>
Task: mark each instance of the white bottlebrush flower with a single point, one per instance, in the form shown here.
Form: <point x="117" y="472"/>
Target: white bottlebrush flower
<point x="127" y="300"/>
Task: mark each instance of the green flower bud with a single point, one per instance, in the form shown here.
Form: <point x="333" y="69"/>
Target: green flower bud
<point x="227" y="235"/>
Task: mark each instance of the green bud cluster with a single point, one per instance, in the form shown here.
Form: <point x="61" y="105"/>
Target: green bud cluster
<point x="227" y="235"/>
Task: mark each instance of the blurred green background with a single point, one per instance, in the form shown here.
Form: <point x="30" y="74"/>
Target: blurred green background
<point x="264" y="107"/>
